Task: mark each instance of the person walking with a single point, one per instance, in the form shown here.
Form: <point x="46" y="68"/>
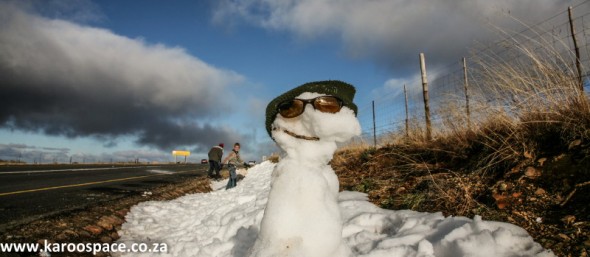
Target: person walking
<point x="215" y="155"/>
<point x="233" y="160"/>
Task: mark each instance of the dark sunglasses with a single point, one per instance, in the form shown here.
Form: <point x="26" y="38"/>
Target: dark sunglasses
<point x="295" y="107"/>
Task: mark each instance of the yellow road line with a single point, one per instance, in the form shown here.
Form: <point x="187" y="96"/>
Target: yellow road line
<point x="84" y="184"/>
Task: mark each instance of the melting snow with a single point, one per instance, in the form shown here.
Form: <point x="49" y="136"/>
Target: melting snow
<point x="226" y="223"/>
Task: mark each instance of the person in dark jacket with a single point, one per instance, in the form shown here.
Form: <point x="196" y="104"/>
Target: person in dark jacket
<point x="215" y="155"/>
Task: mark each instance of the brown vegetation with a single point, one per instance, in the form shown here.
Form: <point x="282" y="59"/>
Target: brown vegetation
<point x="525" y="160"/>
<point x="530" y="174"/>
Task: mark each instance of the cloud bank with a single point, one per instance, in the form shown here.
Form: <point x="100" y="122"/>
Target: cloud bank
<point x="392" y="32"/>
<point x="66" y="79"/>
<point x="37" y="154"/>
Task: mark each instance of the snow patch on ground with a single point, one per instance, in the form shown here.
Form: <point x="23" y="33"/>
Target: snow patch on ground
<point x="226" y="223"/>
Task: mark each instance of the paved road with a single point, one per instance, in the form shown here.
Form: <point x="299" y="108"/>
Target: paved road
<point x="30" y="192"/>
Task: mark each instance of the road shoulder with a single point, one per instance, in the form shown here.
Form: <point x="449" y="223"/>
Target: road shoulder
<point x="98" y="223"/>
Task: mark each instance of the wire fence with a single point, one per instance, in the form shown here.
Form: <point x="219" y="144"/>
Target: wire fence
<point x="450" y="87"/>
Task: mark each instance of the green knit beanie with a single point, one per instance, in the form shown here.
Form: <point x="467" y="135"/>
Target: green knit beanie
<point x="336" y="88"/>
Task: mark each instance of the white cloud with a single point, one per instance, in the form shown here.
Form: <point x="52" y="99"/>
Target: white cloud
<point x="392" y="32"/>
<point x="64" y="78"/>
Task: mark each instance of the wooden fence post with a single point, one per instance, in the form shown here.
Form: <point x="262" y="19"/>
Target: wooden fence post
<point x="426" y="98"/>
<point x="576" y="49"/>
<point x="465" y="85"/>
<point x="407" y="119"/>
<point x="374" y="129"/>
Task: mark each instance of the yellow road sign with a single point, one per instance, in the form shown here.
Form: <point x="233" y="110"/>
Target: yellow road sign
<point x="181" y="153"/>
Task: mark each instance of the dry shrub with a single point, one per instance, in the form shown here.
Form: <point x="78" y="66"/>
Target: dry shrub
<point x="526" y="102"/>
<point x="274" y="158"/>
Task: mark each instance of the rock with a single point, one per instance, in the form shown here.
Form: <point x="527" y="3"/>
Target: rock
<point x="109" y="222"/>
<point x="505" y="186"/>
<point x="84" y="233"/>
<point x="501" y="201"/>
<point x="531" y="172"/>
<point x="42" y="241"/>
<point x="528" y="155"/>
<point x="116" y="220"/>
<point x="559" y="198"/>
<point x="70" y="232"/>
<point x="541" y="161"/>
<point x="574" y="143"/>
<point x="564" y="237"/>
<point x="400" y="190"/>
<point x="104" y="223"/>
<point x="106" y="239"/>
<point x="559" y="157"/>
<point x="95" y="230"/>
<point x="587" y="243"/>
<point x="540" y="191"/>
<point x="122" y="212"/>
<point x="569" y="219"/>
<point x="512" y="171"/>
<point x="101" y="254"/>
<point x="61" y="237"/>
<point x="114" y="235"/>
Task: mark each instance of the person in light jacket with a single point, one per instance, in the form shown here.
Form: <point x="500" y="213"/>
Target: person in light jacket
<point x="233" y="161"/>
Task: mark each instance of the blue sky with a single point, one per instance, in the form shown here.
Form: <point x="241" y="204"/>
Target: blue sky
<point x="104" y="80"/>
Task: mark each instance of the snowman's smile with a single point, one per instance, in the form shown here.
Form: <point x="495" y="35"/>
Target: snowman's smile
<point x="295" y="135"/>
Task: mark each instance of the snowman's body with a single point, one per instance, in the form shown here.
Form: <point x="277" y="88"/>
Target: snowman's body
<point x="302" y="217"/>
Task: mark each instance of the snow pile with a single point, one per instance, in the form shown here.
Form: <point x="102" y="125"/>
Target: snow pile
<point x="218" y="223"/>
<point x="226" y="223"/>
<point x="372" y="231"/>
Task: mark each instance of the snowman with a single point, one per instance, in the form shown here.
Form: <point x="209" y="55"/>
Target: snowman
<point x="302" y="217"/>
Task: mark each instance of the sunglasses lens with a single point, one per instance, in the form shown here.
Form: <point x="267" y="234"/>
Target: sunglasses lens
<point x="327" y="104"/>
<point x="292" y="108"/>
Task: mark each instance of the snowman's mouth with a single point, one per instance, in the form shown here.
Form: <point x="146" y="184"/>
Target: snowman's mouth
<point x="293" y="134"/>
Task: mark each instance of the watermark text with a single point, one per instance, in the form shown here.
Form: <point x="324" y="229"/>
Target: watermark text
<point x="94" y="248"/>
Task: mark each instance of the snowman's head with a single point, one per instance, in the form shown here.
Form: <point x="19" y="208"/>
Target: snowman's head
<point x="317" y="111"/>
